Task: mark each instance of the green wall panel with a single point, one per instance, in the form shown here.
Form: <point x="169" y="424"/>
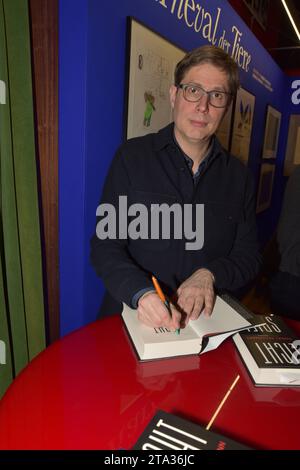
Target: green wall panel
<point x="5" y="362"/>
<point x="24" y="155"/>
<point x="10" y="251"/>
<point x="22" y="321"/>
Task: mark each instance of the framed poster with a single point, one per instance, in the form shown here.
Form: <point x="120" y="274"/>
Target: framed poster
<point x="151" y="64"/>
<point x="224" y="130"/>
<point x="292" y="154"/>
<point x="271" y="133"/>
<point x="242" y="124"/>
<point x="265" y="188"/>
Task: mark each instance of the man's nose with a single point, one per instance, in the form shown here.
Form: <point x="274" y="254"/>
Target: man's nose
<point x="202" y="104"/>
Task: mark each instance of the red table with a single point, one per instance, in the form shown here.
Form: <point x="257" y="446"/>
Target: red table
<point x="88" y="391"/>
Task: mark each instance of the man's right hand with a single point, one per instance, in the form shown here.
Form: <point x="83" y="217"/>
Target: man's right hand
<point x="152" y="312"/>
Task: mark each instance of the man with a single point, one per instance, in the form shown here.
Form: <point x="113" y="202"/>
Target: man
<point x="183" y="164"/>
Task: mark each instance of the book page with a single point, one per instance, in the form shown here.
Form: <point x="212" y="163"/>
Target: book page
<point x="157" y="335"/>
<point x="223" y="318"/>
<point x="159" y="342"/>
<point x="214" y="342"/>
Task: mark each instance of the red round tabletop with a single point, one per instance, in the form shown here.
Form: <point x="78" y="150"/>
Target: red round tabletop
<point x="89" y="391"/>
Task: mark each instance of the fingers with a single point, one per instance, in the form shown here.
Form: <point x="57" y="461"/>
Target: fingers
<point x="209" y="302"/>
<point x="176" y="317"/>
<point x="152" y="312"/>
<point x="198" y="307"/>
<point x="198" y="303"/>
<point x="196" y="295"/>
<point x="186" y="302"/>
<point x="201" y="303"/>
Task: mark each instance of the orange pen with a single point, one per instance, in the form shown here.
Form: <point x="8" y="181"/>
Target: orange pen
<point x="163" y="297"/>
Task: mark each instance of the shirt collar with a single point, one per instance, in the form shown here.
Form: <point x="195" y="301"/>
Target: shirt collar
<point x="165" y="136"/>
<point x="190" y="161"/>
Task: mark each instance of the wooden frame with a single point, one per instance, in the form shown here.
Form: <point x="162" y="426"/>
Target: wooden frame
<point x="224" y="131"/>
<point x="44" y="37"/>
<point x="265" y="188"/>
<point x="292" y="154"/>
<point x="272" y="130"/>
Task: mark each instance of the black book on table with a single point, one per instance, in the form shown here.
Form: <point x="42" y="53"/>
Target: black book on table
<point x="271" y="353"/>
<point x="169" y="432"/>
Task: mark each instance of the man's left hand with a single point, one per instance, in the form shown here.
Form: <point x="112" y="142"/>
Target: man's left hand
<point x="196" y="293"/>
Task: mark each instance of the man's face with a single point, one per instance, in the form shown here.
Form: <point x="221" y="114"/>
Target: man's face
<point x="197" y="122"/>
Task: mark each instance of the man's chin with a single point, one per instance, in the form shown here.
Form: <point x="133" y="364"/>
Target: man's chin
<point x="200" y="137"/>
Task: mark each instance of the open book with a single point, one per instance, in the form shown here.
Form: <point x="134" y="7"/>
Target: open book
<point x="201" y="335"/>
<point x="270" y="353"/>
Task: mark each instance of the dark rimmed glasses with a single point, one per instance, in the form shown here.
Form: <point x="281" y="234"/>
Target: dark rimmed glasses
<point x="194" y="93"/>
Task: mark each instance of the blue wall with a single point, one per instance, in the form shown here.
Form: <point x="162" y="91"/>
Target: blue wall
<point x="92" y="86"/>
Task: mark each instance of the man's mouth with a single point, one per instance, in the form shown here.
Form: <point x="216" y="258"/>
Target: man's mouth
<point x="198" y="123"/>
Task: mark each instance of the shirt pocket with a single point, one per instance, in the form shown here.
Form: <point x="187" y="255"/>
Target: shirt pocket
<point x="156" y="215"/>
<point x="221" y="223"/>
<point x="225" y="212"/>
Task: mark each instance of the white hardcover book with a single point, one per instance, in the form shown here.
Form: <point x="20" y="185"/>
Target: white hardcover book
<point x="201" y="335"/>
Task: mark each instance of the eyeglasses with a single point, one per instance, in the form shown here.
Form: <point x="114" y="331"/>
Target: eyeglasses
<point x="194" y="93"/>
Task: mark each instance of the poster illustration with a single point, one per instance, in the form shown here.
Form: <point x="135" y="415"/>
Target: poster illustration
<point x="242" y="126"/>
<point x="152" y="62"/>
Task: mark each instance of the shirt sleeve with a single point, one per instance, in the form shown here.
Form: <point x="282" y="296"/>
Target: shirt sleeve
<point x="109" y="256"/>
<point x="138" y="295"/>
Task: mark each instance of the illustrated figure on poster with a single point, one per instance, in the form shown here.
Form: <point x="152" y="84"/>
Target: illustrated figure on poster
<point x="149" y="99"/>
<point x="245" y="115"/>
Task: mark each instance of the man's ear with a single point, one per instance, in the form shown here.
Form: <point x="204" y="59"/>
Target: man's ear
<point x="173" y="93"/>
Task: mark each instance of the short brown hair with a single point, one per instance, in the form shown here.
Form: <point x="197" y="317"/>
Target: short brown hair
<point x="213" y="55"/>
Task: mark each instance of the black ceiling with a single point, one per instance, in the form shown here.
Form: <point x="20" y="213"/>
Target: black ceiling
<point x="276" y="32"/>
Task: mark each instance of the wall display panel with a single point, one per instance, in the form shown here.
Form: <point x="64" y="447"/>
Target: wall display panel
<point x="271" y="136"/>
<point x="242" y="124"/>
<point x="151" y="60"/>
<point x="265" y="188"/>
